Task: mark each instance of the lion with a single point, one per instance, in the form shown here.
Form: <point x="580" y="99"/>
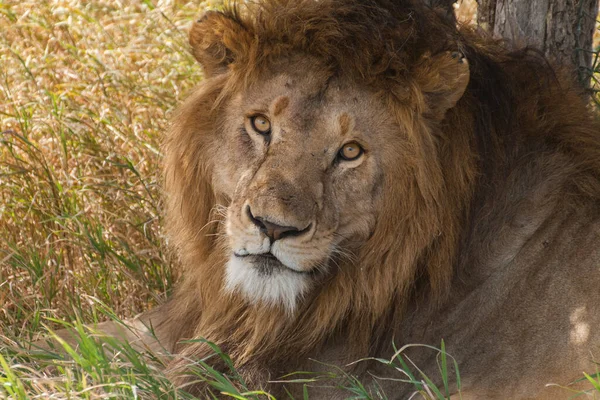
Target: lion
<point x="356" y="175"/>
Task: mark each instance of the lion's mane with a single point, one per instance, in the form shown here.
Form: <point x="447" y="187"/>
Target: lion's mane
<point x="514" y="101"/>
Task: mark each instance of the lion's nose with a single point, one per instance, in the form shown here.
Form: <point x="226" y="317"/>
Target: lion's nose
<point x="274" y="231"/>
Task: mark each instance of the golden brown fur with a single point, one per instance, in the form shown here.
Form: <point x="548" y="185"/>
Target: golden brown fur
<point x="478" y="172"/>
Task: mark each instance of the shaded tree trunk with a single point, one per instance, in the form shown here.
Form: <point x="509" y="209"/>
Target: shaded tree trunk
<point x="562" y="29"/>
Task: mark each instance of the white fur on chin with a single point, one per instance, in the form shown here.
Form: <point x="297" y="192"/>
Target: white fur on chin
<point x="282" y="287"/>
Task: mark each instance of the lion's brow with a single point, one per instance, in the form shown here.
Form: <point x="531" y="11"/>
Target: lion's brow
<point x="280" y="104"/>
<point x="345" y="122"/>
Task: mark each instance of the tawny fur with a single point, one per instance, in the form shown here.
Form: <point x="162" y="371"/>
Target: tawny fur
<point x="517" y="150"/>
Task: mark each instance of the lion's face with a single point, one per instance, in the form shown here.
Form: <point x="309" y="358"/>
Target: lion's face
<point x="306" y="155"/>
<point x="302" y="170"/>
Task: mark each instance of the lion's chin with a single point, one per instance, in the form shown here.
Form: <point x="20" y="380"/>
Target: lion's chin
<point x="265" y="280"/>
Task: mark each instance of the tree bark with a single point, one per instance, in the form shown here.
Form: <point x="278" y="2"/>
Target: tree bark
<point x="562" y="29"/>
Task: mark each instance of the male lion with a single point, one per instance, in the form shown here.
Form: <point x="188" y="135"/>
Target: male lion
<point x="356" y="173"/>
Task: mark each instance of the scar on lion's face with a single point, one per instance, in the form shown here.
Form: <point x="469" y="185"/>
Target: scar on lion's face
<point x="304" y="182"/>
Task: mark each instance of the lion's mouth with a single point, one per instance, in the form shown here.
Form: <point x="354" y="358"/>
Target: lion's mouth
<point x="266" y="264"/>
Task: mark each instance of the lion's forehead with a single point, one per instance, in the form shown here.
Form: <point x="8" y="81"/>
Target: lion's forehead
<point x="313" y="106"/>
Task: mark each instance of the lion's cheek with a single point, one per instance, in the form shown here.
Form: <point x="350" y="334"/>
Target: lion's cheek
<point x="356" y="198"/>
<point x="244" y="238"/>
<point x="358" y="227"/>
<point x="229" y="180"/>
<point x="356" y="215"/>
<point x="306" y="258"/>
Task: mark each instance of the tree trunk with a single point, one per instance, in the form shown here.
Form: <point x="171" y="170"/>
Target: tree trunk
<point x="562" y="29"/>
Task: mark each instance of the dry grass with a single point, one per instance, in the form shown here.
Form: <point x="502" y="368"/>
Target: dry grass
<point x="86" y="89"/>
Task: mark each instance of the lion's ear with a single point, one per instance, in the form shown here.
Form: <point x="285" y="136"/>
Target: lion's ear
<point x="217" y="41"/>
<point x="443" y="79"/>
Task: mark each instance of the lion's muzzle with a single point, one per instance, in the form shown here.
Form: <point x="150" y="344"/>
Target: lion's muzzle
<point x="278" y="237"/>
<point x="274" y="231"/>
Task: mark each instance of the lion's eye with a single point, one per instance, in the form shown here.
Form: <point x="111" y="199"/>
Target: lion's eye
<point x="350" y="151"/>
<point x="261" y="124"/>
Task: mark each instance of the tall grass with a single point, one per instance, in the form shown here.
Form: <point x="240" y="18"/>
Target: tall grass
<point x="86" y="89"/>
